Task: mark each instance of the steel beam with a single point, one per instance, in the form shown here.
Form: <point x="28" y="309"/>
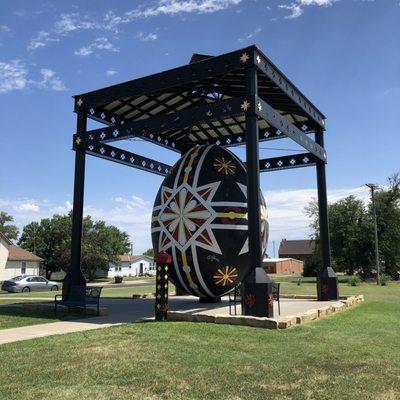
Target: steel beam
<point x="281" y="123"/>
<point x="153" y="128"/>
<point x="288" y="162"/>
<point x="187" y="74"/>
<point x="74" y="276"/>
<point x="240" y="138"/>
<point x="265" y="65"/>
<point x="123" y="157"/>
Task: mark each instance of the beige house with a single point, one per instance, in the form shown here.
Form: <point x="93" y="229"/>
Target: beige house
<point x="16" y="261"/>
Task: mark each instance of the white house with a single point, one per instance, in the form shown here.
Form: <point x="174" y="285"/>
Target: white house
<point x="16" y="261"/>
<point x="131" y="265"/>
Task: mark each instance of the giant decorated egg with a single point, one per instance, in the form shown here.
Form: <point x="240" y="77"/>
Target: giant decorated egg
<point x="200" y="219"/>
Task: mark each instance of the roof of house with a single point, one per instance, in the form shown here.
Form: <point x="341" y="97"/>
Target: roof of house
<point x="275" y="260"/>
<point x="16" y="253"/>
<point x="5" y="238"/>
<point x="290" y="247"/>
<point x="133" y="258"/>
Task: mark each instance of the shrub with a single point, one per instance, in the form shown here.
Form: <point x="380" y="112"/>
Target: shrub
<point x="384" y="279"/>
<point x="354" y="280"/>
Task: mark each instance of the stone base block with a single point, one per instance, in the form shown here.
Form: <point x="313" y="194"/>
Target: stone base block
<point x="230" y="319"/>
<point x="261" y="322"/>
<point x="204" y="318"/>
<point x="287" y="322"/>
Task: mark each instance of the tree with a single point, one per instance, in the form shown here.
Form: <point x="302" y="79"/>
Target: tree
<point x="350" y="236"/>
<point x="149" y="252"/>
<point x="388" y="222"/>
<point x="101" y="244"/>
<point x="351" y="232"/>
<point x="8" y="230"/>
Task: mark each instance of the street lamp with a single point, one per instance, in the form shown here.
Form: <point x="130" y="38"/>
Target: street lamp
<point x="372" y="186"/>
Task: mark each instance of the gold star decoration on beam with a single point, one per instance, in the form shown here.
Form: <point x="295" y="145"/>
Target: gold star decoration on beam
<point x="78" y="141"/>
<point x="79" y="102"/>
<point x="245" y="105"/>
<point x="244" y="58"/>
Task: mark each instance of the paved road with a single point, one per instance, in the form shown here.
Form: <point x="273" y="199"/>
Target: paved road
<point x="127" y="310"/>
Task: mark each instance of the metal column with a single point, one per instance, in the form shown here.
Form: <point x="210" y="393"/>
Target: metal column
<point x="74" y="276"/>
<point x="327" y="283"/>
<point x="257" y="296"/>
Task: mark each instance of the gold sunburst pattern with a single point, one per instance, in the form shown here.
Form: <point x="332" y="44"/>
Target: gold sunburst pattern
<point x="225" y="275"/>
<point x="227" y="167"/>
<point x="245" y="105"/>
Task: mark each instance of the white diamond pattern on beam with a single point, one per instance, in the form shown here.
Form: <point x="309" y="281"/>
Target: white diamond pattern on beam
<point x="228" y="141"/>
<point x="91" y="111"/>
<point x="102" y="115"/>
<point x="143" y="163"/>
<point x="159" y="168"/>
<point x="112" y="119"/>
<point x="305" y="160"/>
<point x="103" y="135"/>
<point x="279" y="163"/>
<point x="278" y="132"/>
<point x="304" y="128"/>
<point x="239" y="139"/>
<point x="151" y="165"/>
<point x="91" y="137"/>
<point x="158" y="138"/>
<point x="131" y="159"/>
<point x="218" y="142"/>
<point x="266" y="134"/>
<point x="292" y="161"/>
<point x="112" y="153"/>
<point x="267" y="165"/>
<point x="115" y="133"/>
<point x="91" y="147"/>
<point x="102" y="151"/>
<point x="122" y="157"/>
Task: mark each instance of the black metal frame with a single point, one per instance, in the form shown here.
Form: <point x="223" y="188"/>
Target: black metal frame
<point x="238" y="98"/>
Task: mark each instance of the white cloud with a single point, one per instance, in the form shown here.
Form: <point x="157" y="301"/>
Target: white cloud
<point x="15" y="76"/>
<point x="111" y="72"/>
<point x="4" y="28"/>
<point x="110" y="22"/>
<point x="101" y="43"/>
<point x="286" y="210"/>
<point x="28" y="206"/>
<point x="62" y="210"/>
<point x="297" y="7"/>
<point x="250" y="35"/>
<point x="41" y="40"/>
<point x="147" y="38"/>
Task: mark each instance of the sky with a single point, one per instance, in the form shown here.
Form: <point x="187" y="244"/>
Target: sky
<point x="344" y="55"/>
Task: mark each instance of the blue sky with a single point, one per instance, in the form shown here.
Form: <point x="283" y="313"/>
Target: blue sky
<point x="344" y="55"/>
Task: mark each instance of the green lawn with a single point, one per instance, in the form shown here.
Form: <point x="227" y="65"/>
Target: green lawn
<point x="14" y="317"/>
<point x="352" y="355"/>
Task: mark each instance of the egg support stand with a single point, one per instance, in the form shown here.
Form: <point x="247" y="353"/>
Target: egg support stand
<point x="204" y="102"/>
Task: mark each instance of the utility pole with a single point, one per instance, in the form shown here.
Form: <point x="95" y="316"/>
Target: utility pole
<point x="373" y="187"/>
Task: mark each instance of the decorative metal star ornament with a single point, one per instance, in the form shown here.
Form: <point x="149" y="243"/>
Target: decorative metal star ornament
<point x="245" y="105"/>
<point x="259" y="106"/>
<point x="258" y="58"/>
<point x="244" y="58"/>
<point x="79" y="102"/>
<point x="78" y="141"/>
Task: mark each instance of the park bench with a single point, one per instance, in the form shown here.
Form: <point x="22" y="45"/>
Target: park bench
<point x="80" y="297"/>
<point x="235" y="297"/>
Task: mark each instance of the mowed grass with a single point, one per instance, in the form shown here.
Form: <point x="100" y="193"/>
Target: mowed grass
<point x="14" y="317"/>
<point x="352" y="355"/>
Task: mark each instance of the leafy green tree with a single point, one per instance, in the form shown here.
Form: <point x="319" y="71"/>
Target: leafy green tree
<point x="350" y="236"/>
<point x="7" y="229"/>
<point x="101" y="244"/>
<point x="388" y="221"/>
<point x="149" y="252"/>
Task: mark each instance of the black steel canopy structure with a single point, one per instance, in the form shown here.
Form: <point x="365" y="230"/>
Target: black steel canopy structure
<point x="238" y="98"/>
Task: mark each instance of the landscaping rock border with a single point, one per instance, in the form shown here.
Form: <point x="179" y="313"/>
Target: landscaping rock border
<point x="270" y="323"/>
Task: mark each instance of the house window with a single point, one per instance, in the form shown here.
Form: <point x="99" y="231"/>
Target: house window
<point x="23" y="268"/>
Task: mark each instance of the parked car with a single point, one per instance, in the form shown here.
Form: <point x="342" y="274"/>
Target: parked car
<point x="29" y="283"/>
